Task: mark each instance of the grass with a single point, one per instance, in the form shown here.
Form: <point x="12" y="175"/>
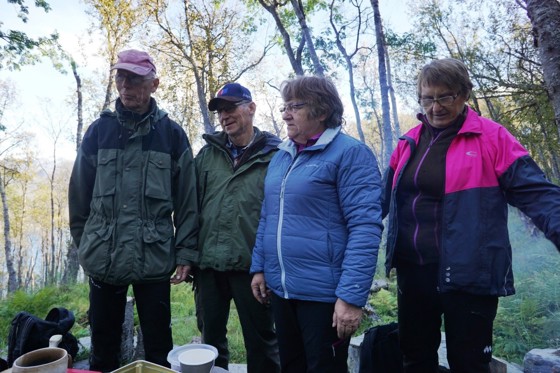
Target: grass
<point x="75" y="298"/>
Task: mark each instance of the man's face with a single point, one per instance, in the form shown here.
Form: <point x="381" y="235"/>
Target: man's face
<point x="135" y="90"/>
<point x="236" y="119"/>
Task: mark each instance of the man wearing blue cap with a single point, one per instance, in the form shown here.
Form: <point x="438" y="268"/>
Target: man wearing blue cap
<point x="230" y="172"/>
<point x="133" y="213"/>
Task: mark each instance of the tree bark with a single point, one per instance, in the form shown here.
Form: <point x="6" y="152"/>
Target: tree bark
<point x="79" y="105"/>
<point x="350" y="67"/>
<point x="295" y="59"/>
<point x="394" y="111"/>
<point x="385" y="109"/>
<point x="298" y="8"/>
<point x="12" y="277"/>
<point x="545" y="18"/>
<point x="70" y="274"/>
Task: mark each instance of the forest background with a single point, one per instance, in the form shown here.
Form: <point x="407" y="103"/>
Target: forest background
<point x="511" y="48"/>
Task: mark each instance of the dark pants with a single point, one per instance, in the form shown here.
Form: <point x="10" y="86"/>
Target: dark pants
<point x="468" y="322"/>
<point x="214" y="292"/>
<point x="308" y="342"/>
<point x="106" y="315"/>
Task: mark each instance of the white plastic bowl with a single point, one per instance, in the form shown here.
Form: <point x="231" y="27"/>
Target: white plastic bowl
<point x="173" y="356"/>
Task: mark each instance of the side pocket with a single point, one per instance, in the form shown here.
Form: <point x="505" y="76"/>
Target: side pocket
<point x="159" y="256"/>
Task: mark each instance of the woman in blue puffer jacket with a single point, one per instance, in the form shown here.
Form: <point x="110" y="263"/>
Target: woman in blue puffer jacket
<point x="319" y="231"/>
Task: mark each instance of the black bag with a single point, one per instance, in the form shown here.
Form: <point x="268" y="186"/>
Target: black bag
<point x="29" y="332"/>
<point x="380" y="352"/>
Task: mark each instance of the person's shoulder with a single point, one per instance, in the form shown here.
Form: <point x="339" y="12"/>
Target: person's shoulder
<point x="103" y="122"/>
<point x="161" y="116"/>
<point x="271" y="139"/>
<point x="213" y="141"/>
<point x="347" y="141"/>
<point x="487" y="126"/>
<point x="106" y="115"/>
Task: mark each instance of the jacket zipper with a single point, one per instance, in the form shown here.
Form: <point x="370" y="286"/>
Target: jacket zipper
<point x="418" y="196"/>
<point x="279" y="228"/>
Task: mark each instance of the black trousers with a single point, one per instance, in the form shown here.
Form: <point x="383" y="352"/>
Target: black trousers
<point x="308" y="342"/>
<point x="214" y="293"/>
<point x="106" y="315"/>
<point x="468" y="322"/>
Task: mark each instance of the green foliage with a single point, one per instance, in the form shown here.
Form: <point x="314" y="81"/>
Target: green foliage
<point x="384" y="302"/>
<point x="75" y="298"/>
<point x="18" y="49"/>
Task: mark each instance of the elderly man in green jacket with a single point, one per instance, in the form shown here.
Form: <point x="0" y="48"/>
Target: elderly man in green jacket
<point x="133" y="213"/>
<point x="230" y="172"/>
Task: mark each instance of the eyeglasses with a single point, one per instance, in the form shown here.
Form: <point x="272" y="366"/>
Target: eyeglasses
<point x="132" y="79"/>
<point x="229" y="108"/>
<point x="290" y="108"/>
<point x="443" y="101"/>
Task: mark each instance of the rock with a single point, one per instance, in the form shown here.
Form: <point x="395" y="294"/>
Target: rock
<point x="377" y="285"/>
<point x="354" y="353"/>
<point x="542" y="361"/>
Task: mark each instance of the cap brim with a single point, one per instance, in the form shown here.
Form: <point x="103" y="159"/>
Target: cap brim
<point x="213" y="104"/>
<point x="138" y="70"/>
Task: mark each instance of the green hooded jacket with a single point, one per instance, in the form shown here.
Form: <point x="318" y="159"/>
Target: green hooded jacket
<point x="230" y="200"/>
<point x="132" y="198"/>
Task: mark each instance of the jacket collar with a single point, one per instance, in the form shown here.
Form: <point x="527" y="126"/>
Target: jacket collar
<point x="263" y="142"/>
<point x="326" y="138"/>
<point x="138" y="122"/>
<point x="471" y="124"/>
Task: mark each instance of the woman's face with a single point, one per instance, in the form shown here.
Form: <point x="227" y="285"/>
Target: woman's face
<point x="442" y="115"/>
<point x="299" y="126"/>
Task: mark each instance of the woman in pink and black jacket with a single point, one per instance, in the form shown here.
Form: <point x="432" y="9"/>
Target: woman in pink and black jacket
<point x="448" y="185"/>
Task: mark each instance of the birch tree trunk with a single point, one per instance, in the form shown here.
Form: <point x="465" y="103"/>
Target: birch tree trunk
<point x="12" y="277"/>
<point x="545" y="18"/>
<point x="295" y="58"/>
<point x="298" y="8"/>
<point x="349" y="66"/>
<point x="384" y="86"/>
<point x="72" y="266"/>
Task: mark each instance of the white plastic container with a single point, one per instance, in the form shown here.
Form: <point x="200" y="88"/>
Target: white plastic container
<point x="173" y="356"/>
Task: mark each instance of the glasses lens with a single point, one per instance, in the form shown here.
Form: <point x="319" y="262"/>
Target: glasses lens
<point x="292" y="107"/>
<point x="426" y="102"/>
<point x="447" y="100"/>
<point x="227" y="109"/>
<point x="132" y="79"/>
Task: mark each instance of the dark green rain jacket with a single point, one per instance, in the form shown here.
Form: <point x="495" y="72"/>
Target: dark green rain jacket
<point x="132" y="198"/>
<point x="230" y="200"/>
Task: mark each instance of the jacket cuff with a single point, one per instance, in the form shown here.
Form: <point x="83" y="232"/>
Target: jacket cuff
<point x="187" y="256"/>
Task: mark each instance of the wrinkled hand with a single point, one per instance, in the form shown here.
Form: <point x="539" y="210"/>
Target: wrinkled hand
<point x="182" y="273"/>
<point x="346" y="318"/>
<point x="258" y="286"/>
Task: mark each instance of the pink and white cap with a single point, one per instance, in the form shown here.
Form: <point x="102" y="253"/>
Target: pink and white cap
<point x="135" y="61"/>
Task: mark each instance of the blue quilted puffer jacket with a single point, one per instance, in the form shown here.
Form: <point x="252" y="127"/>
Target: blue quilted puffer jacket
<point x="320" y="224"/>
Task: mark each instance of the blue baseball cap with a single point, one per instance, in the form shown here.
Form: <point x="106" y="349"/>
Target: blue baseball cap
<point x="231" y="92"/>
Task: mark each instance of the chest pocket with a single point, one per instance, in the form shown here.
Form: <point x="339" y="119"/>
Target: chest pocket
<point x="158" y="176"/>
<point x="106" y="179"/>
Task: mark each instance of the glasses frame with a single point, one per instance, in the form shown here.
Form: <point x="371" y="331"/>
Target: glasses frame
<point x="292" y="108"/>
<point x="230" y="108"/>
<point x="133" y="79"/>
<point x="439" y="100"/>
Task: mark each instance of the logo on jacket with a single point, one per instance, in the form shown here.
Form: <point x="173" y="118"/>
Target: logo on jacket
<point x="471" y="153"/>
